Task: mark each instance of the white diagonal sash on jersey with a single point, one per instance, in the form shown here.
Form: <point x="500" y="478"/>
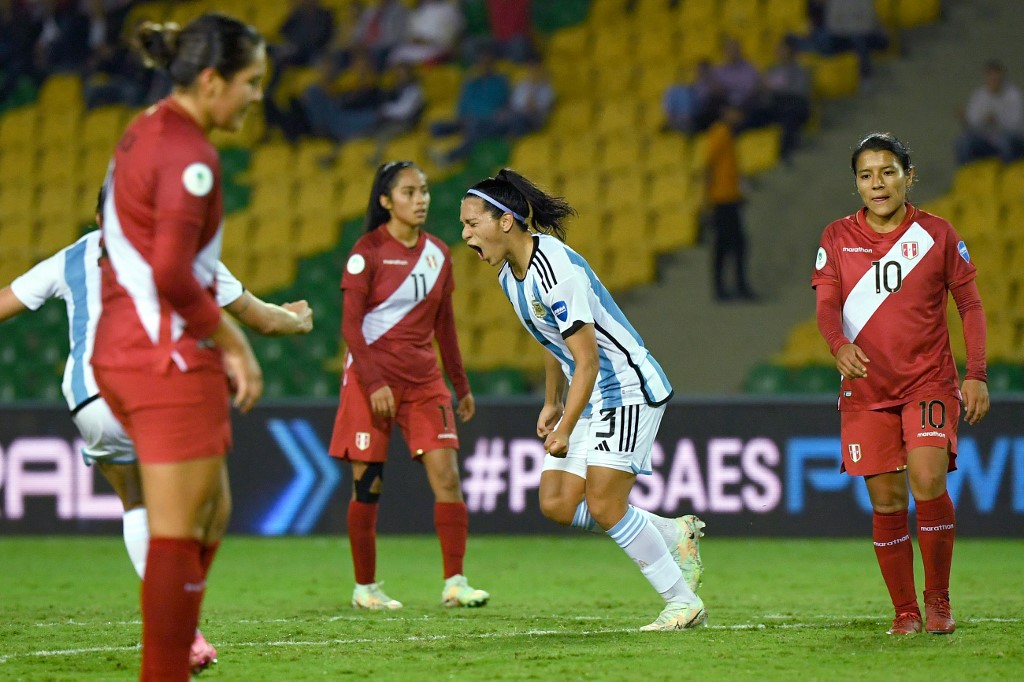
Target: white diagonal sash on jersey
<point x="395" y="307"/>
<point x="864" y="298"/>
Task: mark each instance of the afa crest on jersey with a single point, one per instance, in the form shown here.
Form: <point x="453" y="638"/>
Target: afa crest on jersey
<point x="910" y="250"/>
<point x="538" y="308"/>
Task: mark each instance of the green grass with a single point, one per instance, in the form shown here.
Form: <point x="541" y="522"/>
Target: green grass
<point x="563" y="607"/>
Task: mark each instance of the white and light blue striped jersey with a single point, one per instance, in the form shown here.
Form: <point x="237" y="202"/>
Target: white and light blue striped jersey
<point x="559" y="294"/>
<point x="73" y="274"/>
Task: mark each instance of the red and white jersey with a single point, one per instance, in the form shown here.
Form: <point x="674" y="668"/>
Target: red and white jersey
<point x="894" y="292"/>
<point x="162" y="222"/>
<point x="404" y="289"/>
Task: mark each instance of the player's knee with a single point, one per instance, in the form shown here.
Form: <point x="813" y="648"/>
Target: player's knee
<point x="367" y="487"/>
<point x="557" y="509"/>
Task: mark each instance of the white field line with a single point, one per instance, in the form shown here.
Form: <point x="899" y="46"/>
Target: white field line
<point x="822" y="623"/>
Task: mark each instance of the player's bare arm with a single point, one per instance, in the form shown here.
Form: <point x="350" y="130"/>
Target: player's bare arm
<point x="975" y="400"/>
<point x="852" y="361"/>
<point x="583" y="346"/>
<point x="270" y="319"/>
<point x="554" y="389"/>
<point x="9" y="304"/>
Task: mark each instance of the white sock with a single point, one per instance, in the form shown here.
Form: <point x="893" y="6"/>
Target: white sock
<point x="639" y="539"/>
<point x="667" y="527"/>
<point x="136" y="538"/>
<point x="584" y="521"/>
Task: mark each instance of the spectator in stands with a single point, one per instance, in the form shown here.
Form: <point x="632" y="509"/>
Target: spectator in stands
<point x="510" y="28"/>
<point x="344" y="106"/>
<point x="736" y="78"/>
<point x="63" y="43"/>
<point x="305" y="34"/>
<point x="381" y="27"/>
<point x="483" y="102"/>
<point x="114" y="73"/>
<point x="993" y="119"/>
<point x="690" y="107"/>
<point x="19" y="31"/>
<point x="786" y="95"/>
<point x="851" y="25"/>
<point x="401" y="109"/>
<point x="724" y="201"/>
<point x="431" y="35"/>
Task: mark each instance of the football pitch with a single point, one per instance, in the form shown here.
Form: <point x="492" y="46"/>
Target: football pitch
<point x="563" y="607"/>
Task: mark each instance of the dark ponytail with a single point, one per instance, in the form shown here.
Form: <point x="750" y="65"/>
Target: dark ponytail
<point x="211" y="41"/>
<point x="544" y="212"/>
<point x="383" y="182"/>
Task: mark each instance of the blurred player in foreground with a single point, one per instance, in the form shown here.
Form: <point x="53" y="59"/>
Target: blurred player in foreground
<point x="601" y="437"/>
<point x="73" y="275"/>
<point x="398" y="298"/>
<point x="882" y="278"/>
<point x="166" y="357"/>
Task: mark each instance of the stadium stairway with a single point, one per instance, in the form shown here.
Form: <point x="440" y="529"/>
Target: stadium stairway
<point x="710" y="349"/>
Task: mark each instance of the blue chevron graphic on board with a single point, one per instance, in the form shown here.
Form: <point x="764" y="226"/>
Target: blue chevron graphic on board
<point x="297" y="509"/>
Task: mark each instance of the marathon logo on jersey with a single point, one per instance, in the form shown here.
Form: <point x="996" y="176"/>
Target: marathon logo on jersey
<point x="962" y="248"/>
<point x="856" y="249"/>
<point x="538" y="309"/>
<point x="855" y="452"/>
<point x="909" y="250"/>
<point x="560" y="310"/>
<point x="362" y="440"/>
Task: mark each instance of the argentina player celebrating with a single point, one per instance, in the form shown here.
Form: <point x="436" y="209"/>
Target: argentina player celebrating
<point x="599" y="438"/>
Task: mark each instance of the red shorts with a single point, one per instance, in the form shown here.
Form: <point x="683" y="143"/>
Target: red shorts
<point x="424" y="413"/>
<point x="877" y="441"/>
<point x="170" y="417"/>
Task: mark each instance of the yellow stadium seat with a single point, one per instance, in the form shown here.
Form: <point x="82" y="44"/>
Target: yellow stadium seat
<point x="1011" y="183"/>
<point x="61" y="92"/>
<point x="759" y="149"/>
<point x="835" y="76"/>
<point x="273" y="161"/>
<point x="441" y="82"/>
<point x="17" y="164"/>
<point x="698" y="15"/>
<point x="103" y="127"/>
<point x="311" y="155"/>
<point x="621" y="152"/>
<point x="698" y="45"/>
<point x="675" y="227"/>
<point x="270" y="271"/>
<point x="666" y="151"/>
<point x="582" y="189"/>
<point x="315" y="232"/>
<point x="626" y="190"/>
<point x="533" y="150"/>
<point x="978" y="178"/>
<point x="910" y="13"/>
<point x="18" y="129"/>
<point x="570" y="43"/>
<point x="572" y="80"/>
<point x="787" y="16"/>
<point x="739" y="15"/>
<point x="978" y="215"/>
<point x="1013" y="223"/>
<point x="578" y="154"/>
<point x="804" y="346"/>
<point x="604" y="11"/>
<point x="615" y="84"/>
<point x="617" y="117"/>
<point x="59" y="129"/>
<point x="572" y="117"/>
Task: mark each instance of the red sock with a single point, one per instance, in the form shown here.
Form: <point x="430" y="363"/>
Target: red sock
<point x="936" y="528"/>
<point x="895" y="555"/>
<point x="451" y="519"/>
<point x="362" y="537"/>
<point x="206" y="554"/>
<point x="171" y="595"/>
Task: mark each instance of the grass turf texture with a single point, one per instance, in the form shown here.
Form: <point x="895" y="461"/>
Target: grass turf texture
<point x="562" y="607"/>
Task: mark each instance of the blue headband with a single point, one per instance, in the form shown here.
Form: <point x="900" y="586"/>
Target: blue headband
<point x="498" y="204"/>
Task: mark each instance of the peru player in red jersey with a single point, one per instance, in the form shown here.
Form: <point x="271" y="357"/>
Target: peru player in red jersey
<point x="162" y="342"/>
<point x="882" y="277"/>
<point x="398" y="298"/>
